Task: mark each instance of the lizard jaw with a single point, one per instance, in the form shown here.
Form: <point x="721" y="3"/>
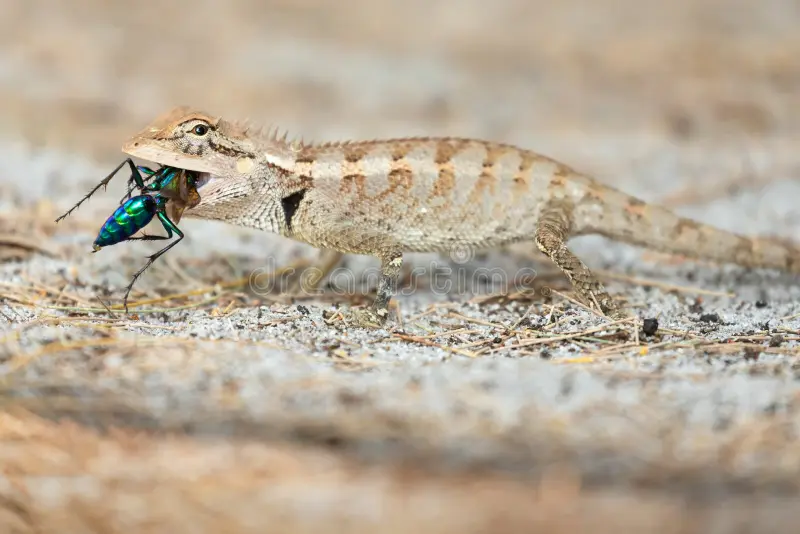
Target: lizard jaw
<point x="219" y="195"/>
<point x="203" y="179"/>
<point x="165" y="157"/>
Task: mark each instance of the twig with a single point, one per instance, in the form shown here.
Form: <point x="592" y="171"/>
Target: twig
<point x="25" y="243"/>
<point x="423" y="341"/>
<point x="59" y="293"/>
<point x="524" y="316"/>
<point x="432" y="308"/>
<point x="152" y="310"/>
<point x="172" y="263"/>
<point x="449" y="333"/>
<point x="789" y="317"/>
<point x="577" y="303"/>
<point x="399" y="314"/>
<point x="456" y="315"/>
<point x="105" y="306"/>
<point x="550" y="326"/>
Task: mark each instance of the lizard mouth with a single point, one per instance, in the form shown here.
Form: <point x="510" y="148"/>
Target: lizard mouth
<point x="203" y="179"/>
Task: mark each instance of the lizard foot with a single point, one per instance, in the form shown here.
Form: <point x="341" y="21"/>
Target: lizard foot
<point x="366" y="318"/>
<point x="618" y="313"/>
<point x="612" y="309"/>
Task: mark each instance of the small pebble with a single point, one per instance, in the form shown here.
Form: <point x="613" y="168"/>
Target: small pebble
<point x="776" y="340"/>
<point x="709" y="318"/>
<point x="650" y="326"/>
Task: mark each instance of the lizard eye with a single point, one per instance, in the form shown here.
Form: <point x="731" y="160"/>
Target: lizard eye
<point x="200" y="129"/>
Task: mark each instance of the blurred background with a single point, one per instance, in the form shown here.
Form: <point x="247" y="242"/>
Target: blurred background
<point x="651" y="96"/>
<point x="81" y="75"/>
<point x="609" y="86"/>
<point x="692" y="103"/>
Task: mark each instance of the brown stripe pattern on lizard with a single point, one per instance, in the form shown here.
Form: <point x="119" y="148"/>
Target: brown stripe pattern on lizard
<point x="387" y="197"/>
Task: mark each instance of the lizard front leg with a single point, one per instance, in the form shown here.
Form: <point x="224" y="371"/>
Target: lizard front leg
<point x="375" y="316"/>
<point x="551" y="234"/>
<point x="308" y="284"/>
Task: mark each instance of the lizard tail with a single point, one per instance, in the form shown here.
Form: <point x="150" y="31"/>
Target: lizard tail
<point x="628" y="219"/>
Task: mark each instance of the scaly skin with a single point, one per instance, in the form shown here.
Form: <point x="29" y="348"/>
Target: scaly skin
<point x="387" y="197"/>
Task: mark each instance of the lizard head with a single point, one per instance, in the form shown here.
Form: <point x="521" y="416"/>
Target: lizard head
<point x="192" y="140"/>
<point x="218" y="150"/>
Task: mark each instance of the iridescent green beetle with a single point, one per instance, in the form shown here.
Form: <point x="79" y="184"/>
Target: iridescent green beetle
<point x="136" y="212"/>
<point x="169" y="183"/>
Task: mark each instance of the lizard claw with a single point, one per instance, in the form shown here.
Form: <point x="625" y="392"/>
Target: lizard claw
<point x="618" y="314"/>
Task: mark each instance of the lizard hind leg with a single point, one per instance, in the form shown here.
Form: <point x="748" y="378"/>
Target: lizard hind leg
<point x="375" y="316"/>
<point x="551" y="235"/>
<point x="309" y="280"/>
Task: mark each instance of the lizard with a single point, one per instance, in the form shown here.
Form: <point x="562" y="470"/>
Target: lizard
<point x="384" y="198"/>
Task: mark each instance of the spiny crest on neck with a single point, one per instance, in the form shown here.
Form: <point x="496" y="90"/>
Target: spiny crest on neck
<point x="271" y="142"/>
<point x="272" y="135"/>
<point x="274" y="138"/>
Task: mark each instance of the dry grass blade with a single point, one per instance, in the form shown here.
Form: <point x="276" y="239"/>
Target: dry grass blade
<point x="604" y="353"/>
<point x="563" y="337"/>
<point x="661" y="285"/>
<point x="25" y="243"/>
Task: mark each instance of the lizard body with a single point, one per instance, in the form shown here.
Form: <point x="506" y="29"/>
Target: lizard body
<point x="387" y="197"/>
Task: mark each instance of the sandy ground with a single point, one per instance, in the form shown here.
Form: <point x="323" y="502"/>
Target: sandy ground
<point x="221" y="407"/>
